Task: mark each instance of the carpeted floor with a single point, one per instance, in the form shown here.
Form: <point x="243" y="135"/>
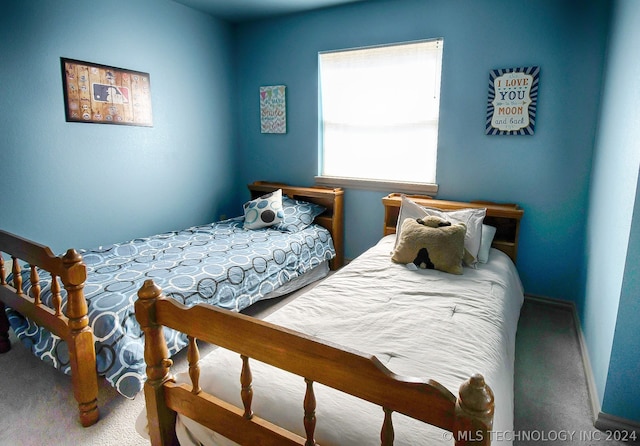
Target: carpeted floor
<point x="551" y="401"/>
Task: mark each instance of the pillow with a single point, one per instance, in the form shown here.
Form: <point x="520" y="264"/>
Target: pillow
<point x="439" y="247"/>
<point x="298" y="214"/>
<point x="408" y="209"/>
<point x="488" y="233"/>
<point x="264" y="211"/>
<point x="472" y="219"/>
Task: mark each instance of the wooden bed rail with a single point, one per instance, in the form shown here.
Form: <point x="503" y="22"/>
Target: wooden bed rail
<point x="72" y="326"/>
<point x="469" y="417"/>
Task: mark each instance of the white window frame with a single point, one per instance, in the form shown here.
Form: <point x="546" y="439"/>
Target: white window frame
<point x="373" y="183"/>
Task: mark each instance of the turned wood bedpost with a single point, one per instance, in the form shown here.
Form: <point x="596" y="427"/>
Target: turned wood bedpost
<point x="193" y="357"/>
<point x="309" y="405"/>
<point x="161" y="420"/>
<point x="82" y="353"/>
<point x="337" y="229"/>
<point x="387" y="434"/>
<point x="474" y="413"/>
<point x="246" y="390"/>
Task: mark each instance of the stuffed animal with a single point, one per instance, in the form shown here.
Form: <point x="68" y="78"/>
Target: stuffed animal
<point x="431" y="243"/>
<point x="422" y="260"/>
<point x="433" y="222"/>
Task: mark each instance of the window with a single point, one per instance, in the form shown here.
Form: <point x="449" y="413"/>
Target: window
<point x="379" y="111"/>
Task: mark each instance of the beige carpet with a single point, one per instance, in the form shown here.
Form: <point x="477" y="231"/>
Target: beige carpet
<point x="38" y="407"/>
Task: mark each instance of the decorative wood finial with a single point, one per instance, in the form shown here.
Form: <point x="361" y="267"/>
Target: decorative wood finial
<point x="476" y="398"/>
<point x="149" y="290"/>
<point x="474" y="413"/>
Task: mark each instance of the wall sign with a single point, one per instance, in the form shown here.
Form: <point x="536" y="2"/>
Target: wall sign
<point x="273" y="109"/>
<point x="513" y="98"/>
<point x="105" y="95"/>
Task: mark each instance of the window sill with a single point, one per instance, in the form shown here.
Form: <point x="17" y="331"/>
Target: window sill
<point x="378" y="185"/>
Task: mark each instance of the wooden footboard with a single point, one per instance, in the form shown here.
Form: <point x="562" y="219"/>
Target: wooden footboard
<point x="469" y="416"/>
<point x="72" y="326"/>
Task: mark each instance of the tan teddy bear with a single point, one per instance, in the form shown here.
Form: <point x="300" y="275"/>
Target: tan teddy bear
<point x="431" y="243"/>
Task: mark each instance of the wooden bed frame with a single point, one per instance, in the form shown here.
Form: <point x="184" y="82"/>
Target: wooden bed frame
<point x="72" y="327"/>
<point x="71" y="271"/>
<point x="469" y="416"/>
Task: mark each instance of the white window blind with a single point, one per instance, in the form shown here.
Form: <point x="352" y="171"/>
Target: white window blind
<point x="379" y="112"/>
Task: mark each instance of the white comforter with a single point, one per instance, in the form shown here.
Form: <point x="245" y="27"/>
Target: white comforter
<point x="424" y="323"/>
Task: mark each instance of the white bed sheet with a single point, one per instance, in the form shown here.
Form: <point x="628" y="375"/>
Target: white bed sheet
<point x="424" y="323"/>
<point x="307" y="278"/>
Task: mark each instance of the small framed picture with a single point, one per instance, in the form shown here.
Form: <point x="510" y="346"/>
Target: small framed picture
<point x="273" y="109"/>
<point x="513" y="99"/>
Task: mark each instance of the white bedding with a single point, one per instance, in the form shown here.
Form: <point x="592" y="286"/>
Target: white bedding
<point x="424" y="323"/>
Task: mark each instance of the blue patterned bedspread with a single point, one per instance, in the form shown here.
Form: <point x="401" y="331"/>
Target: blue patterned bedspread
<point x="220" y="264"/>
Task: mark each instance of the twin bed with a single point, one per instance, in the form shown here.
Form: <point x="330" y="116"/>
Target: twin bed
<point x="423" y="331"/>
<point x="88" y="324"/>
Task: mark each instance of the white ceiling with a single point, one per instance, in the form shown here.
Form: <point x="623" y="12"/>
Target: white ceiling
<point x="245" y="10"/>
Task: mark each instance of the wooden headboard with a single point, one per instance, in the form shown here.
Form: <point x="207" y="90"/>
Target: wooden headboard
<point x="504" y="217"/>
<point x="330" y="198"/>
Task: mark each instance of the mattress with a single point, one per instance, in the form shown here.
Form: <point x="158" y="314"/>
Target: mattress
<point x="419" y="323"/>
<point x="220" y="263"/>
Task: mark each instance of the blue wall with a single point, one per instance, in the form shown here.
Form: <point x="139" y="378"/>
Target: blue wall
<point x="83" y="185"/>
<point x="611" y="304"/>
<point x="547" y="173"/>
<point x="622" y="396"/>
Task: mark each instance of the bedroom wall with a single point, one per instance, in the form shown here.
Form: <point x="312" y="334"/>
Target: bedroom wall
<point x="83" y="185"/>
<point x="611" y="305"/>
<point x="621" y="398"/>
<point x="547" y="173"/>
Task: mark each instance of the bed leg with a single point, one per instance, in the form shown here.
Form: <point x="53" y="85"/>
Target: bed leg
<point x="5" y="345"/>
<point x="84" y="376"/>
<point x="160" y="419"/>
<point x="474" y="413"/>
<point x="82" y="351"/>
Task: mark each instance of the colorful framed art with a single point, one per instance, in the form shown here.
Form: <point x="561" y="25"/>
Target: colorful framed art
<point x="273" y="109"/>
<point x="101" y="94"/>
<point x="512" y="102"/>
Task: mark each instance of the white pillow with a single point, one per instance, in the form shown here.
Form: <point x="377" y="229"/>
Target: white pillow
<point x="264" y="211"/>
<point x="471" y="217"/>
<point x="488" y="233"/>
<point x="408" y="209"/>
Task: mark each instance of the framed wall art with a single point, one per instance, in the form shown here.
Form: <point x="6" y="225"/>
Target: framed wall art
<point x="101" y="94"/>
<point x="273" y="109"/>
<point x="512" y="102"/>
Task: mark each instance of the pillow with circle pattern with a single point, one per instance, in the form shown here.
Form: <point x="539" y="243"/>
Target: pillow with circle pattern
<point x="264" y="211"/>
<point x="298" y="214"/>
